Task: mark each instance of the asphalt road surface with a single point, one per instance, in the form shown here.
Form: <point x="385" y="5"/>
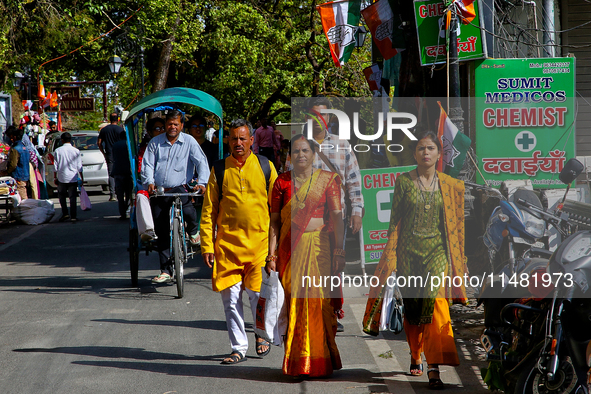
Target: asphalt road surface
<point x="71" y="323"/>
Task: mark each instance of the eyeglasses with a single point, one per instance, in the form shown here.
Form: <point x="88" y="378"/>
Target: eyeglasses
<point x="158" y="128"/>
<point x="194" y="126"/>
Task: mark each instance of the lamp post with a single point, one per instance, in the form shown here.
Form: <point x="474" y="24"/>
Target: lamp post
<point x="360" y="38"/>
<point x="115" y="63"/>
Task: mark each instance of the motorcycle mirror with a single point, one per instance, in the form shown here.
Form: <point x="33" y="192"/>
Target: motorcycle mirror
<point x="571" y="171"/>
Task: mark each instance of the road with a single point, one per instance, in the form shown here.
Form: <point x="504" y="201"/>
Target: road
<point x="71" y="323"/>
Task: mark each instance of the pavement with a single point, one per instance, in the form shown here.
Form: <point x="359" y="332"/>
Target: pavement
<point x="70" y="322"/>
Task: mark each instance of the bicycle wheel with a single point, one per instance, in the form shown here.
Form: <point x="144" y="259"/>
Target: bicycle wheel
<point x="134" y="255"/>
<point x="180" y="255"/>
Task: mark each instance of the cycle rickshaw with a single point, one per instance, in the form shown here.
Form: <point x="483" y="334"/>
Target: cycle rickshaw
<point x="172" y="98"/>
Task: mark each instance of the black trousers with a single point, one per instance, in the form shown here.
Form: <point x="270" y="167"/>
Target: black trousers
<point x="161" y="212"/>
<point x="68" y="190"/>
<point x="109" y="161"/>
<point x="269" y="153"/>
<point x="123" y="192"/>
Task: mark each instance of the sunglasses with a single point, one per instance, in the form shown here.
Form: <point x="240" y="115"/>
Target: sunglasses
<point x="194" y="126"/>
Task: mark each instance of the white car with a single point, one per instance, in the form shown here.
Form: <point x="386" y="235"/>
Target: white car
<point x="93" y="162"/>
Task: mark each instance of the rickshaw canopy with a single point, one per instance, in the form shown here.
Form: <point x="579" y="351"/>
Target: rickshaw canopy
<point x="179" y="96"/>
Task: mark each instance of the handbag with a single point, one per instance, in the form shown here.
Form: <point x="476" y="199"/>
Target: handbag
<point x="84" y="200"/>
<point x="397" y="315"/>
<point x="271" y="312"/>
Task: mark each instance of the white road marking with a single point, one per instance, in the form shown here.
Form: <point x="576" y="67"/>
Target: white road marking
<point x="21" y="237"/>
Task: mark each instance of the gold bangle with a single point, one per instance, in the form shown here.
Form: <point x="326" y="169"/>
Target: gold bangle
<point x="271" y="258"/>
<point x="338" y="252"/>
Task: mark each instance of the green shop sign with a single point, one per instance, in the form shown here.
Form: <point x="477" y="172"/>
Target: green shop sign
<point x="378" y="191"/>
<point x="525" y="118"/>
<point x="430" y="18"/>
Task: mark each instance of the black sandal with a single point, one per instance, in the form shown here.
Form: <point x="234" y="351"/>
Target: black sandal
<point x="235" y="358"/>
<point x="416" y="367"/>
<point x="435" y="383"/>
<point x="260" y="345"/>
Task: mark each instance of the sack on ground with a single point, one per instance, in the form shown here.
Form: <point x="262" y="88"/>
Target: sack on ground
<point x="271" y="312"/>
<point x="85" y="204"/>
<point x="34" y="212"/>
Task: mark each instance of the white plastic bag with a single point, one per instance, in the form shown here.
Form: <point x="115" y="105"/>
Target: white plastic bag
<point x="143" y="213"/>
<point x="34" y="211"/>
<point x="85" y="204"/>
<point x="387" y="303"/>
<point x="271" y="313"/>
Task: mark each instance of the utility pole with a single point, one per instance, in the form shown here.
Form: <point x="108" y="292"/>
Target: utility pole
<point x="548" y="22"/>
<point x="456" y="114"/>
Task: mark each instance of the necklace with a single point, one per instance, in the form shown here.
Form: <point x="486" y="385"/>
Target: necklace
<point x="303" y="180"/>
<point x="301" y="204"/>
<point x="423" y="189"/>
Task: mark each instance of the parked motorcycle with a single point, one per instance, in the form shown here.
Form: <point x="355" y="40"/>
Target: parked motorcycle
<point x="532" y="337"/>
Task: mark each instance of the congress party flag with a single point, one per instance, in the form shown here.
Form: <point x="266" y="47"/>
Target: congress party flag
<point x="373" y="75"/>
<point x="455" y="146"/>
<point x="465" y="10"/>
<point x="380" y="20"/>
<point x="340" y="21"/>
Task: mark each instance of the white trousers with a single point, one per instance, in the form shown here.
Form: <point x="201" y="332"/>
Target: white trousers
<point x="232" y="299"/>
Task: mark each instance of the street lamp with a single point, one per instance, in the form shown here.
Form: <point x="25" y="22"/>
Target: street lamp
<point x="115" y="63"/>
<point x="361" y="33"/>
<point x="17" y="80"/>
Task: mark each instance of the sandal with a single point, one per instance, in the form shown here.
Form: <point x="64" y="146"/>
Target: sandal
<point x="416" y="369"/>
<point x="435" y="383"/>
<point x="162" y="278"/>
<point x="235" y="358"/>
<point x="260" y="352"/>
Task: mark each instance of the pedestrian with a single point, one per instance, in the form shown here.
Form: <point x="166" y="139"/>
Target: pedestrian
<point x="169" y="160"/>
<point x="277" y="143"/>
<point x="143" y="212"/>
<point x="210" y="132"/>
<point x="265" y="142"/>
<point x="341" y="160"/>
<point x="196" y="127"/>
<point x="238" y="206"/>
<point x="52" y="126"/>
<point x="426" y="228"/>
<point x="68" y="165"/>
<point x="108" y="135"/>
<point x="18" y="161"/>
<point x="299" y="247"/>
<point x="122" y="175"/>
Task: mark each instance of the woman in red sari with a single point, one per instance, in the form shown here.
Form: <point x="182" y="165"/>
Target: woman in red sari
<point x="305" y="214"/>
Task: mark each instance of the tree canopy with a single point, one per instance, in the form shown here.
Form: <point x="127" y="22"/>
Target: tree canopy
<point x="253" y="56"/>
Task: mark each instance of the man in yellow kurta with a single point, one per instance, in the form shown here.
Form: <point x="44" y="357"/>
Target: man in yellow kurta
<point x="240" y="246"/>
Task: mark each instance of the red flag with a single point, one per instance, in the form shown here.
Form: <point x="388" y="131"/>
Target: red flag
<point x="380" y="20"/>
<point x="373" y="75"/>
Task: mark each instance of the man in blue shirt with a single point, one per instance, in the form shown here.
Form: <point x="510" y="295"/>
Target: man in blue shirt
<point x="168" y="160"/>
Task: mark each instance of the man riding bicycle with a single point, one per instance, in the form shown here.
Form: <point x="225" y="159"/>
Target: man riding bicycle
<point x="170" y="161"/>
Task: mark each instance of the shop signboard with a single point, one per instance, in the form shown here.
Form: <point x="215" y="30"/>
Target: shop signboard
<point x="430" y="19"/>
<point x="525" y="116"/>
<point x="378" y="191"/>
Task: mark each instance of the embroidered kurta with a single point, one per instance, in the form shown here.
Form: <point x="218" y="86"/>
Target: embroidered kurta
<point x="242" y="220"/>
<point x="452" y="194"/>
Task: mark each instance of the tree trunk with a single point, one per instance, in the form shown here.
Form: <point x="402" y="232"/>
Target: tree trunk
<point x="164" y="62"/>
